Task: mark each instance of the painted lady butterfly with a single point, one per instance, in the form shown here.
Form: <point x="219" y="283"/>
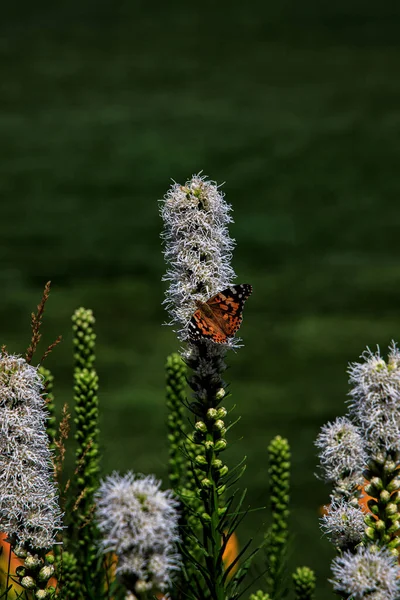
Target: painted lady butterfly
<point x="221" y="316"/>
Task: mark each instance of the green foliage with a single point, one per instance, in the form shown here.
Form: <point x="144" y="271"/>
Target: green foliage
<point x="51" y="425"/>
<point x="84" y="532"/>
<point x="304" y="583"/>
<point x="276" y="540"/>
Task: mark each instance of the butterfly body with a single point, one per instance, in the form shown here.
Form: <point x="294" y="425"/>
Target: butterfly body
<point x="221" y="316"/>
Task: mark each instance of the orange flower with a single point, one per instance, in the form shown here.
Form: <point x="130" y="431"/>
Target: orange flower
<point x="231" y="552"/>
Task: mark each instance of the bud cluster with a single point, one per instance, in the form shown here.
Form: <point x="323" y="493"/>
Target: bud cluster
<point x="383" y="522"/>
<point x="210" y="435"/>
<point x="35" y="572"/>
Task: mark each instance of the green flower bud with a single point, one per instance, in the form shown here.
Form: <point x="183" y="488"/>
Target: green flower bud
<point x="212" y="414"/>
<point x="219" y="425"/>
<point x="380" y="525"/>
<point x="201" y="426"/>
<point x="28" y="582"/>
<point x="221" y="490"/>
<point x="223" y="471"/>
<point x="389" y="466"/>
<point x="394" y="543"/>
<point x="222" y="511"/>
<point x="370" y="532"/>
<point x="220" y="394"/>
<point x="206" y="483"/>
<point x="209" y="444"/>
<point x="32" y="562"/>
<point x="20" y="551"/>
<point x="374" y="487"/>
<point x="373" y="507"/>
<point x="20" y="571"/>
<point x="205" y="517"/>
<point x="394" y="551"/>
<point x="200" y="460"/>
<point x="221" y="413"/>
<point x="393" y="485"/>
<point x="46" y="572"/>
<point x="391" y="509"/>
<point x="217" y="463"/>
<point x="395" y="526"/>
<point x="369" y="520"/>
<point x="220" y="445"/>
<point x="384" y="496"/>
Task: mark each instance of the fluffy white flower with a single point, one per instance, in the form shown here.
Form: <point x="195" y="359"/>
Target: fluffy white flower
<point x="375" y="399"/>
<point x="198" y="248"/>
<point x="28" y="497"/>
<point x="342" y="454"/>
<point x="139" y="522"/>
<point x="344" y="524"/>
<point x="367" y="575"/>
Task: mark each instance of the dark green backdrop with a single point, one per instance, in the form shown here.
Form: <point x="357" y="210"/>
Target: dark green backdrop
<point x="296" y="106"/>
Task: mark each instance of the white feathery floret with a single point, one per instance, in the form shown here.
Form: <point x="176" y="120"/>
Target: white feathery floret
<point x="139" y="522"/>
<point x="342" y="454"/>
<point x="29" y="509"/>
<point x="375" y="399"/>
<point x="343" y="524"/>
<point x="367" y="575"/>
<point x="198" y="248"/>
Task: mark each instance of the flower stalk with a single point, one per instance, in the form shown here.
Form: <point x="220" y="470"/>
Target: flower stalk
<point x="83" y="529"/>
<point x="198" y="251"/>
<point x="276" y="540"/>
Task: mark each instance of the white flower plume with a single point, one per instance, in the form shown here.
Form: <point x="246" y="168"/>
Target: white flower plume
<point x="375" y="399"/>
<point x="367" y="575"/>
<point x="344" y="524"/>
<point x="198" y="248"/>
<point x="29" y="508"/>
<point x="139" y="522"/>
<point x="342" y="454"/>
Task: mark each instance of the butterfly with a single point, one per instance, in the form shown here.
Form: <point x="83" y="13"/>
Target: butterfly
<point x="221" y="316"/>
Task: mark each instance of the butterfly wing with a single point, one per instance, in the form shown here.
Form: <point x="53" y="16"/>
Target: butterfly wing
<point x="203" y="327"/>
<point x="226" y="307"/>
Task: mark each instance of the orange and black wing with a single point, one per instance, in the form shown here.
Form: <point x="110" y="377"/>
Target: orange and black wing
<point x="227" y="308"/>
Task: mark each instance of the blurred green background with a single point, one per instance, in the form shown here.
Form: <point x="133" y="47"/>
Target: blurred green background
<point x="296" y="106"/>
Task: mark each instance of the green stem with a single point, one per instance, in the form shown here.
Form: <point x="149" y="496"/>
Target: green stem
<point x="209" y="391"/>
